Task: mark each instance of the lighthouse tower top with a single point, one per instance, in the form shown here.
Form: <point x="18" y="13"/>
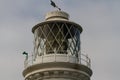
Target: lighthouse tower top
<point x="57" y="51"/>
<point x="56" y="15"/>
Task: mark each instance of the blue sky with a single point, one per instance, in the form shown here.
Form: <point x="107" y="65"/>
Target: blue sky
<point x="100" y="39"/>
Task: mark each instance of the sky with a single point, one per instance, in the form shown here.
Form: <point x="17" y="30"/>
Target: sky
<point x="100" y="20"/>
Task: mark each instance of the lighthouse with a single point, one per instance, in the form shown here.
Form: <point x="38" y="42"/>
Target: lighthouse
<point x="57" y="50"/>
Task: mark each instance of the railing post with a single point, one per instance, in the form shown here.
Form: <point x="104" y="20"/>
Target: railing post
<point x="32" y="59"/>
<point x="79" y="56"/>
<point x="26" y="63"/>
<point x="42" y="58"/>
<point x="89" y="63"/>
<point x="55" y="54"/>
<point x="68" y="58"/>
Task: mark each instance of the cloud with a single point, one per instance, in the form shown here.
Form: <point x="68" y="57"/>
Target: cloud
<point x="100" y="38"/>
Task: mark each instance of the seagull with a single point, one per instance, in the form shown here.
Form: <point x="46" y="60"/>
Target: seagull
<point x="26" y="54"/>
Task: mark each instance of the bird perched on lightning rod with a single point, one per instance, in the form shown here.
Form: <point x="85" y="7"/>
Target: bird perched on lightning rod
<point x="26" y="54"/>
<point x="54" y="5"/>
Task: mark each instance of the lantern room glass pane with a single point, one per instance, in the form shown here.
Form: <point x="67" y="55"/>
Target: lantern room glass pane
<point x="57" y="37"/>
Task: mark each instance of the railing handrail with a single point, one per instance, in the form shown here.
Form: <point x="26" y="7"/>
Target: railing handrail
<point x="82" y="59"/>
